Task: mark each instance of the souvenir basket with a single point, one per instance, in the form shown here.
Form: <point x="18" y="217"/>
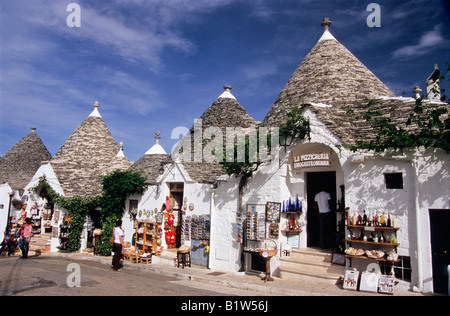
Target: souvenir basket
<point x="267" y="248"/>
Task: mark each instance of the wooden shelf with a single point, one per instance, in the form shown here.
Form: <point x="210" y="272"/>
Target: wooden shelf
<point x="370" y="228"/>
<point x="145" y="237"/>
<point x="372" y="243"/>
<point x="366" y="258"/>
<point x="291" y="232"/>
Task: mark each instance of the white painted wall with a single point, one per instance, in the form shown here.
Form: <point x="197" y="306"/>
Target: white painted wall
<point x="5" y="190"/>
<point x="46" y="170"/>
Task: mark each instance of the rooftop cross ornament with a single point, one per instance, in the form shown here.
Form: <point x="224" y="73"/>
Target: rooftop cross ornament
<point x="157" y="137"/>
<point x="326" y="23"/>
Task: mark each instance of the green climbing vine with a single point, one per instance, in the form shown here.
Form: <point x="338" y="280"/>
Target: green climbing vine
<point x="117" y="186"/>
<point x="78" y="208"/>
<point x="297" y="126"/>
<point x="427" y="126"/>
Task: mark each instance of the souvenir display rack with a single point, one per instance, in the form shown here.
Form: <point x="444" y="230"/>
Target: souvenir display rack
<point x="293" y="208"/>
<point x="200" y="226"/>
<point x="255" y="226"/>
<point x="37" y="221"/>
<point x="146" y="232"/>
<point x="64" y="233"/>
<point x="390" y="240"/>
<point x="368" y="240"/>
<point x="292" y="226"/>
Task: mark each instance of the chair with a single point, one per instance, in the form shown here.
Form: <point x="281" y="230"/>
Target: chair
<point x="184" y="259"/>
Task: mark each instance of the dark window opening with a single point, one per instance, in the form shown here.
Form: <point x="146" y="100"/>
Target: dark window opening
<point x="394" y="180"/>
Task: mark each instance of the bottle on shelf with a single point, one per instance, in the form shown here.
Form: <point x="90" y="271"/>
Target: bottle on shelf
<point x="382" y="222"/>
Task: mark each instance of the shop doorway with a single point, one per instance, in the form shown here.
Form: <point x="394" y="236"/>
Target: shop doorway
<point x="176" y="203"/>
<point x="316" y="182"/>
<point x="440" y="249"/>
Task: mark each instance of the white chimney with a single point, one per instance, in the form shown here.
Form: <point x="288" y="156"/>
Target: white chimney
<point x="433" y="89"/>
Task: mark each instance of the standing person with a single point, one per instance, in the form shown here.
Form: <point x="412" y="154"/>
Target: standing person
<point x="26" y="237"/>
<point x="322" y="205"/>
<point x="8" y="240"/>
<point x="117" y="245"/>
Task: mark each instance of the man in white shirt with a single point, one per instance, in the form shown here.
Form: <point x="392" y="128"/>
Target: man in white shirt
<point x="322" y="205"/>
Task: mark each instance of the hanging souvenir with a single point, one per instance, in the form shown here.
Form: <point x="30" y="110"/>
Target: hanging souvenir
<point x="170" y="237"/>
<point x="167" y="203"/>
<point x="171" y="219"/>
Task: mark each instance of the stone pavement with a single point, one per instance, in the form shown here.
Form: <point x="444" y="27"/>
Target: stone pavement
<point x="252" y="283"/>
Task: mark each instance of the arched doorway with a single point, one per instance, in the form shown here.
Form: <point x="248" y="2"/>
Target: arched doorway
<point x="315" y="183"/>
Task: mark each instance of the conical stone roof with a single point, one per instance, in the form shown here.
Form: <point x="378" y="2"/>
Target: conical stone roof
<point x="87" y="155"/>
<point x="225" y="112"/>
<point x="21" y="162"/>
<point x="330" y="74"/>
<point x="152" y="163"/>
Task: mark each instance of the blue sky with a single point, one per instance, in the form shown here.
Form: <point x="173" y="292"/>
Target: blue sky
<point x="158" y="64"/>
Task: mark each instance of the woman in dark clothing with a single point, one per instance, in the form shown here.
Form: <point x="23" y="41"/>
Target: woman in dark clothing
<point x="117" y="245"/>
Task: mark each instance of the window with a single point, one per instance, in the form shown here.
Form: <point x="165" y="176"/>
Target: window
<point x="393" y="180"/>
<point x="133" y="206"/>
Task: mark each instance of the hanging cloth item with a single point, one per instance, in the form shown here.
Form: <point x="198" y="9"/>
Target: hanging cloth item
<point x="167" y="203"/>
<point x="171" y="219"/>
<point x="171" y="237"/>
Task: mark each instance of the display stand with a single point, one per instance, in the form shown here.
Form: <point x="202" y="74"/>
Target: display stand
<point x="145" y="245"/>
<point x="267" y="249"/>
<point x="371" y="241"/>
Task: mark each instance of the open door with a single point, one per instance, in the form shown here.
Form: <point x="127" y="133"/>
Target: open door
<point x="176" y="199"/>
<point x="315" y="183"/>
<point x="440" y="248"/>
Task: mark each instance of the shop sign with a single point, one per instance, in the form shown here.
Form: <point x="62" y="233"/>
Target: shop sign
<point x="312" y="160"/>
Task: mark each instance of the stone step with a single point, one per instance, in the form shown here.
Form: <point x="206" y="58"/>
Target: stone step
<point x="308" y="266"/>
<point x="327" y="278"/>
<point x="312" y="265"/>
<point x="312" y="255"/>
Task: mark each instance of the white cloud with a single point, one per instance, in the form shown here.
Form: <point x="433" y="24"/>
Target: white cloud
<point x="428" y="41"/>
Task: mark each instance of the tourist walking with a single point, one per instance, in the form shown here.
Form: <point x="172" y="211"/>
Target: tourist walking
<point x="117" y="245"/>
<point x="8" y="241"/>
<point x="322" y="205"/>
<point x="25" y="238"/>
